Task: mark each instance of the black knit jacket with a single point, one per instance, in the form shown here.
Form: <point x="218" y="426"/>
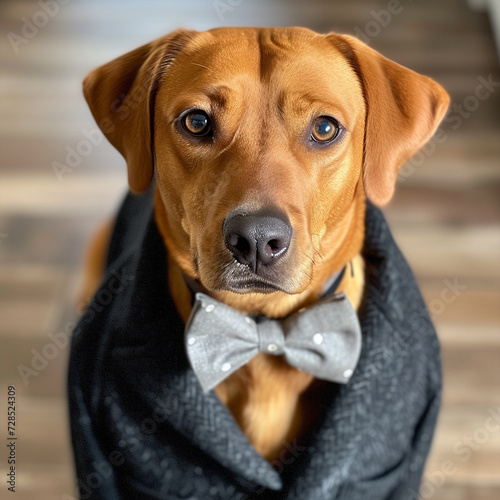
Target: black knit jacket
<point x="142" y="428"/>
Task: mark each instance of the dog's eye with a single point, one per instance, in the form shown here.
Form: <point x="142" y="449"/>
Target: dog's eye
<point x="324" y="129"/>
<point x="196" y="123"/>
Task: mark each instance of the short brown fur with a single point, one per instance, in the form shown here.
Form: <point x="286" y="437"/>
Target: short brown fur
<point x="263" y="87"/>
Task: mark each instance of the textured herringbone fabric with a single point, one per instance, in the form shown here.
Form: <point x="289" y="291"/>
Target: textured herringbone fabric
<point x="142" y="427"/>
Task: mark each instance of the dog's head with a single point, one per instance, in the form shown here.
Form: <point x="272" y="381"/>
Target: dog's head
<point x="264" y="143"/>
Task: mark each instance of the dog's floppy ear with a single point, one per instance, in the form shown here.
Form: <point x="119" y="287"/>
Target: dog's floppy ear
<point x="403" y="110"/>
<point x="121" y="97"/>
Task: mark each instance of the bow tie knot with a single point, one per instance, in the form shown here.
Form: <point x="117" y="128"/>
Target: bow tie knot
<point x="271" y="337"/>
<point x="323" y="340"/>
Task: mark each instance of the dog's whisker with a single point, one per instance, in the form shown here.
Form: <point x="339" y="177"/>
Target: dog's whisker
<point x="201" y="65"/>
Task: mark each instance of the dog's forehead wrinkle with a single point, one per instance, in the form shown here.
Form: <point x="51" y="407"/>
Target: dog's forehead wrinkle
<point x="174" y="49"/>
<point x="219" y="94"/>
<point x="274" y="46"/>
<point x="231" y="143"/>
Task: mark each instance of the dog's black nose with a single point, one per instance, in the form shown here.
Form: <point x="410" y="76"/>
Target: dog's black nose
<point x="257" y="239"/>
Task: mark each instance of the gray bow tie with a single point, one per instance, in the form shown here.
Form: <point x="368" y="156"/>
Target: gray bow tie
<point x="323" y="340"/>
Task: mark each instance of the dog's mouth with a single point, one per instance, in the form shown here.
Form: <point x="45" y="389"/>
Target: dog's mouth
<point x="239" y="278"/>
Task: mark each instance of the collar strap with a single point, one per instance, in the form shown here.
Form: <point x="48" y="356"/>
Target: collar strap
<point x="194" y="287"/>
<point x="333" y="282"/>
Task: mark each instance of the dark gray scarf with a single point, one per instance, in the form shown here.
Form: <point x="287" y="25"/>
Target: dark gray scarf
<point x="143" y="428"/>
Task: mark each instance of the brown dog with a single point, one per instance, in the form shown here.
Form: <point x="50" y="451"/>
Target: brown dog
<point x="264" y="144"/>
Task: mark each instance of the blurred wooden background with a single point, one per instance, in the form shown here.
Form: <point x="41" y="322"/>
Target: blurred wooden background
<point x="445" y="214"/>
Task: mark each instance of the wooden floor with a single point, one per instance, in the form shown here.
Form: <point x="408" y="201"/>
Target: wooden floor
<point x="445" y="214"/>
